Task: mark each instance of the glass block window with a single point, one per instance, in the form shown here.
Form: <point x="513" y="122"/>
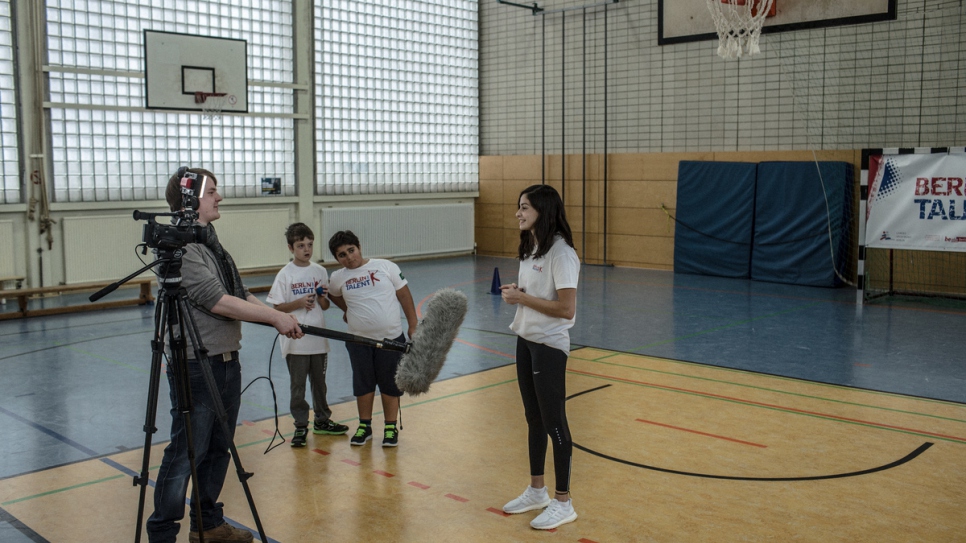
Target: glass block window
<point x="106" y="147"/>
<point x="10" y="191"/>
<point x="397" y="107"/>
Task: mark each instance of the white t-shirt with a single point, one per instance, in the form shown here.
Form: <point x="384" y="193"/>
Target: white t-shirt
<point x="294" y="282"/>
<point x="542" y="277"/>
<point x="369" y="292"/>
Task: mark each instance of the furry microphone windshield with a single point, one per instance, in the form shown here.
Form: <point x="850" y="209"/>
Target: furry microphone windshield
<point x="433" y="338"/>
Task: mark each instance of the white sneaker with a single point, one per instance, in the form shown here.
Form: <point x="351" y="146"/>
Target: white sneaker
<point x="531" y="499"/>
<point x="554" y="515"/>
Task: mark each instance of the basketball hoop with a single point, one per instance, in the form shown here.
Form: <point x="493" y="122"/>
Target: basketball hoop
<point x="739" y="23"/>
<point x="212" y="103"/>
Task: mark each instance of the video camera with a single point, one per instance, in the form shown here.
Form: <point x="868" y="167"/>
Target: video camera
<point x="184" y="229"/>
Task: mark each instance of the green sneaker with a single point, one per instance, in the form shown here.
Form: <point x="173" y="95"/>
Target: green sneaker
<point x="363" y="434"/>
<point x="391" y="436"/>
<point x="329" y="428"/>
<point x="298" y="440"/>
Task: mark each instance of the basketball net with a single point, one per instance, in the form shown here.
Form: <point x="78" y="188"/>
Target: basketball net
<point x="739" y="23"/>
<point x="211" y="104"/>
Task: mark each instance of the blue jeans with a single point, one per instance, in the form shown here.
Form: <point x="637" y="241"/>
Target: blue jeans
<point x="212" y="453"/>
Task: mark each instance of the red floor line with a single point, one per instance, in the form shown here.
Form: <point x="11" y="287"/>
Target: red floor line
<point x="383" y="473"/>
<point x="320" y="451"/>
<point x="418" y="485"/>
<point x="457" y="498"/>
<point x="485" y="349"/>
<point x="773" y="406"/>
<point x="498" y="511"/>
<point x="351" y="462"/>
<point x="703" y="433"/>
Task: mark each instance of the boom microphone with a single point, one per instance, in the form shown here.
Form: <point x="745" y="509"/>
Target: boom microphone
<point x="384" y="344"/>
<point x="433" y="338"/>
<point x="425" y="354"/>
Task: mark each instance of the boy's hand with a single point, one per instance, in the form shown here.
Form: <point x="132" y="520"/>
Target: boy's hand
<point x="308" y="301"/>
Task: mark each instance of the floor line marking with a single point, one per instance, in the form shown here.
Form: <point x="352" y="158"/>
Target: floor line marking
<point x="778" y="407"/>
<point x="49" y="432"/>
<point x="702" y="433"/>
<point x="64" y="489"/>
<point x="505" y="355"/>
<point x="908" y="458"/>
<point x="18" y="525"/>
<point x="786" y="392"/>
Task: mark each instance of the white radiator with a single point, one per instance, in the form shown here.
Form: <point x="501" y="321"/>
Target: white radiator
<point x="103" y="248"/>
<point x="7" y="260"/>
<point x="401" y="230"/>
<point x="100" y="248"/>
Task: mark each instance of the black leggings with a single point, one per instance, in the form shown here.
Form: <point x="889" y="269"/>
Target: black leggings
<point x="542" y="376"/>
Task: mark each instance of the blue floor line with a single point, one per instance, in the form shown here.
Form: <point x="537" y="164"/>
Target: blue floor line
<point x="49" y="432"/>
<point x="24" y="530"/>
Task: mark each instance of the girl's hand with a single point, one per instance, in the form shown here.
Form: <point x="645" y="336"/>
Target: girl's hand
<point x="511" y="293"/>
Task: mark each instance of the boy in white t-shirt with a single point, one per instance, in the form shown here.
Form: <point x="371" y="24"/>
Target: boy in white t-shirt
<point x="372" y="291"/>
<point x="300" y="289"/>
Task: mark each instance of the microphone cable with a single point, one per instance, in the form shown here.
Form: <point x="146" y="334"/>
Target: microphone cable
<point x="271" y="384"/>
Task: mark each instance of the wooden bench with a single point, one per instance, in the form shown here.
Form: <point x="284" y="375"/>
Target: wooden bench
<point x="22" y="295"/>
<point x="18" y="278"/>
<point x="10" y="278"/>
<point x="270" y="270"/>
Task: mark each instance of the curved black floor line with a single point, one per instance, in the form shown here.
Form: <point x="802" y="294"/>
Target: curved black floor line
<point x="922" y="448"/>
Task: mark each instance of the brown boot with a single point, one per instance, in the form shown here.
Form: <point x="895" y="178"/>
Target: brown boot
<point x="225" y="533"/>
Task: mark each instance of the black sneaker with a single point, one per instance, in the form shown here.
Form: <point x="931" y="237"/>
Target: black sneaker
<point x="298" y="440"/>
<point x="329" y="428"/>
<point x="391" y="437"/>
<point x="363" y="434"/>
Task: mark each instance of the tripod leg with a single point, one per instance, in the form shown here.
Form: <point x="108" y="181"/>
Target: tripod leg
<point x="178" y="464"/>
<point x="151" y="412"/>
<point x="219" y="407"/>
<point x="182" y="381"/>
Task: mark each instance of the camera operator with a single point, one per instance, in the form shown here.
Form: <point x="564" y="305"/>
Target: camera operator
<point x="219" y="302"/>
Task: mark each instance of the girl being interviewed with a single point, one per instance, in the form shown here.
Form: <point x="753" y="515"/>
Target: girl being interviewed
<point x="546" y="300"/>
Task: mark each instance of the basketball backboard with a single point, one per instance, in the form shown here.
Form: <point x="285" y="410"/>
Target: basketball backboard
<point x="179" y="66"/>
<point x="682" y="21"/>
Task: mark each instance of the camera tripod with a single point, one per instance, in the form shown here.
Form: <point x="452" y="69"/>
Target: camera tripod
<point x="172" y="315"/>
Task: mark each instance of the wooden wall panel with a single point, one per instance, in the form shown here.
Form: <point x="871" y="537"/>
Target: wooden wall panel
<point x="639" y="232"/>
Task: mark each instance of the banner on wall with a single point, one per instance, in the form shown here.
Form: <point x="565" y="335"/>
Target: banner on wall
<point x="917" y="201"/>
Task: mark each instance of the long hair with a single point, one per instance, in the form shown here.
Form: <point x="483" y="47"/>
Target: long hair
<point x="551" y="222"/>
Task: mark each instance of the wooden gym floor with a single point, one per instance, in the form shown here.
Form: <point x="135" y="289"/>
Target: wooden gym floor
<point x="770" y="433"/>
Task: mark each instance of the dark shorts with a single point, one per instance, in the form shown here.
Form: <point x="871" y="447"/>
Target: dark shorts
<point x="373" y="367"/>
